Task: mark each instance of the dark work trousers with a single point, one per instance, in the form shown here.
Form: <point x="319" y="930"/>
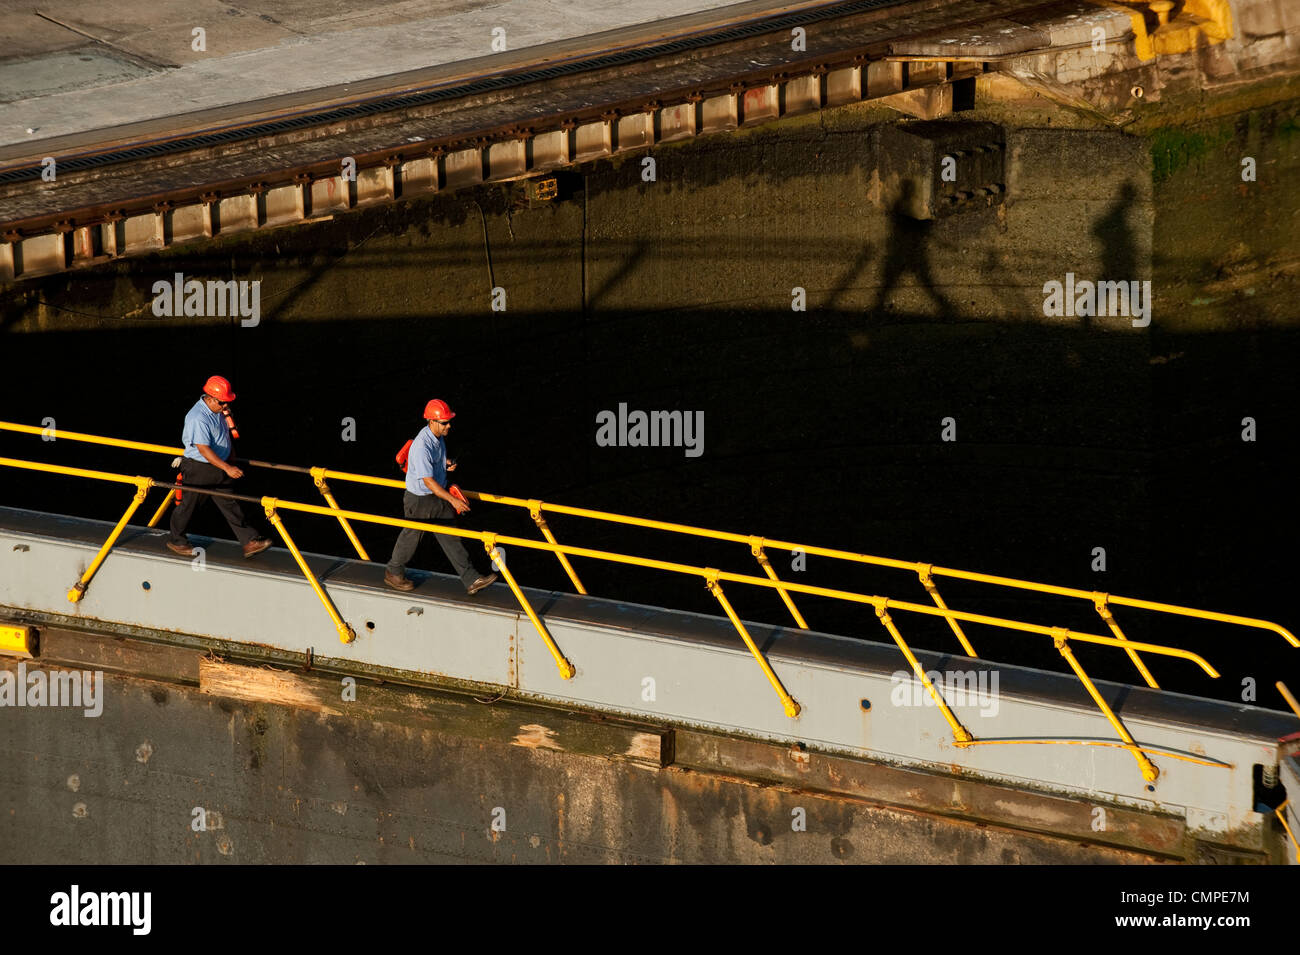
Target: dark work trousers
<point x="431" y="508"/>
<point x="202" y="474"/>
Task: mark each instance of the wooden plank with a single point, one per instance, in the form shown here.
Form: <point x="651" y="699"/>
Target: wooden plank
<point x="509" y="721"/>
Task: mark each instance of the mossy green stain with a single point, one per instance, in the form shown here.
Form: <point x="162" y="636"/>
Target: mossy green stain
<point x="1172" y="149"/>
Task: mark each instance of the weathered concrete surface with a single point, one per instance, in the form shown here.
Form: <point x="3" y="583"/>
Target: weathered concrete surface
<point x="390" y="778"/>
<point x="145" y="64"/>
<point x="1114" y="68"/>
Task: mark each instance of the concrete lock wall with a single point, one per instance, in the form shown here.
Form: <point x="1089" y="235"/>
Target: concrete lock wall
<point x="848" y="690"/>
<point x="172" y="774"/>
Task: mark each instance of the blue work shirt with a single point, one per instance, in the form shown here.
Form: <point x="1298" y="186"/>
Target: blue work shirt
<point x="205" y="427"/>
<point x="427" y="459"/>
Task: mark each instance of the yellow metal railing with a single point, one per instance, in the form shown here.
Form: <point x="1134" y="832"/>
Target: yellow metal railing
<point x="1102" y="602"/>
<point x="712" y="578"/>
<point x="1280" y="812"/>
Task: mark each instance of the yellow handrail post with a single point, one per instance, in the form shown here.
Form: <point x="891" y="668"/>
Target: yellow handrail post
<point x="162" y="508"/>
<point x="318" y="475"/>
<point x="1061" y="641"/>
<point x="78" y="590"/>
<point x="960" y="733"/>
<point x="791" y="707"/>
<point x="756" y="548"/>
<point x="1101" y="602"/>
<point x="535" y="511"/>
<point x="1286" y="695"/>
<point x="562" y="664"/>
<point x="928" y="583"/>
<point x="1281" y="817"/>
<point x="346" y="633"/>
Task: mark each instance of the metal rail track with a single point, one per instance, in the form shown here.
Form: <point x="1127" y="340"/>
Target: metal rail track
<point x="223" y="135"/>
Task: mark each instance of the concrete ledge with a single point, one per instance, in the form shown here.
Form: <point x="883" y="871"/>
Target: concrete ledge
<point x="463" y="168"/>
<point x="138" y="658"/>
<point x="760" y="105"/>
<point x="110" y="234"/>
<point x="676" y="122"/>
<point x="508" y="160"/>
<point x="419" y="176"/>
<point x="720" y="113"/>
<point x="592" y="141"/>
<point x="284" y="204"/>
<point x="1156" y="833"/>
<point x="329" y="195"/>
<point x="883" y="79"/>
<point x="925" y="73"/>
<point x="43" y="254"/>
<point x="1077" y="27"/>
<point x="989" y="38"/>
<point x="550" y="150"/>
<point x="843" y="86"/>
<point x="636" y="131"/>
<point x="192" y="222"/>
<point x="85" y="244"/>
<point x="803" y="94"/>
<point x="142" y="233"/>
<point x="930" y="102"/>
<point x="237" y="214"/>
<point x="375" y="184"/>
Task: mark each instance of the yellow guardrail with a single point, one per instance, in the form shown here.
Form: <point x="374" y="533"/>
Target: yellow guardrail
<point x="712" y="578"/>
<point x="1280" y="812"/>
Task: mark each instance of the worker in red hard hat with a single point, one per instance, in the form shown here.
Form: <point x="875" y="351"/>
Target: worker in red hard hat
<point x="427" y="499"/>
<point x="208" y="445"/>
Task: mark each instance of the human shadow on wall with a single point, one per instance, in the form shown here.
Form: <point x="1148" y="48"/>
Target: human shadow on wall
<point x="848" y="280"/>
<point x="907" y="250"/>
<point x="1119" y="257"/>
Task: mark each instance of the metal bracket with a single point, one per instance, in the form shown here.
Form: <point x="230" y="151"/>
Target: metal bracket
<point x="1060" y="637"/>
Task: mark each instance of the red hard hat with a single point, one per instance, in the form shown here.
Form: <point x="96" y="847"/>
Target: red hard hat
<point x="219" y="388"/>
<point x="438" y="410"/>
